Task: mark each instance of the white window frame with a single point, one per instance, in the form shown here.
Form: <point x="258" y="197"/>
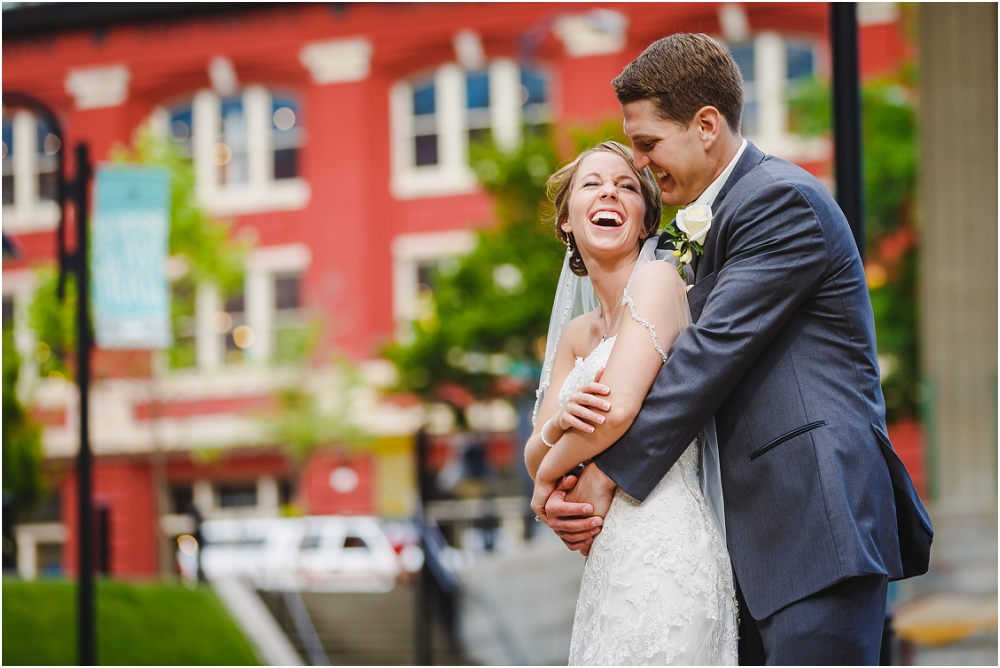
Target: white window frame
<point x="261" y="192"/>
<point x="261" y="266"/>
<point x="770" y="91"/>
<point x="452" y="174"/>
<point x="29" y="213"/>
<point x="409" y="251"/>
<point x="205" y="493"/>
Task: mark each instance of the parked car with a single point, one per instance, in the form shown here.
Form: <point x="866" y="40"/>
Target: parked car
<point x="322" y="553"/>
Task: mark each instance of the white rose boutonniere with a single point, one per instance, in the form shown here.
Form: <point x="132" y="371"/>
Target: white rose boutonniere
<point x="691" y="228"/>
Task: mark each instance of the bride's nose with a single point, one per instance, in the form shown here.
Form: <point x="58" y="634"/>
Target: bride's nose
<point x="609" y="191"/>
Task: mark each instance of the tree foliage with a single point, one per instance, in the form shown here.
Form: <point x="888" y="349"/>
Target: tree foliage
<point x="890" y="176"/>
<point x="305" y="420"/>
<point x="22" y="438"/>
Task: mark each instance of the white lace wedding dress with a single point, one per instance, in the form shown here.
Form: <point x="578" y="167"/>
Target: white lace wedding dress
<point x="658" y="586"/>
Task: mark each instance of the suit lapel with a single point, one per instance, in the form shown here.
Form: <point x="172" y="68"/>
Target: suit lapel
<point x="751" y="157"/>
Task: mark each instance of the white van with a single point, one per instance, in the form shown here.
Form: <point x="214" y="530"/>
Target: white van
<point x="321" y="553"/>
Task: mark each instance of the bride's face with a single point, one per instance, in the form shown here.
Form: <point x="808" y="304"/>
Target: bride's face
<point x="606" y="209"/>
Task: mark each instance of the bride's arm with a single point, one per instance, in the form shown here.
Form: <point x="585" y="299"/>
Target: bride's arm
<point x="660" y="299"/>
<point x="535" y="449"/>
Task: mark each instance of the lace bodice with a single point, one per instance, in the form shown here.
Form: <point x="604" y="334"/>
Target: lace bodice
<point x="657" y="587"/>
<point x="585" y="369"/>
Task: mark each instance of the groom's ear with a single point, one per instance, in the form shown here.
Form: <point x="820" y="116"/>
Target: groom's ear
<point x="709" y="124"/>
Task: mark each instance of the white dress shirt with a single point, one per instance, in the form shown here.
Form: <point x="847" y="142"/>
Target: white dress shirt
<point x="712" y="191"/>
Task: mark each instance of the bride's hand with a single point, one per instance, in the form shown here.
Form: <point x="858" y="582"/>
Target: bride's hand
<point x="584" y="408"/>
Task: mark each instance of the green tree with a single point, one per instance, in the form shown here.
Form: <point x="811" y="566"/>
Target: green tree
<point x="890" y="177"/>
<point x="22" y="445"/>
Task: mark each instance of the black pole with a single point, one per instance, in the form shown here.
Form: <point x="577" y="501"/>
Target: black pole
<point x="86" y="625"/>
<point x="847" y="117"/>
<point x="423" y="651"/>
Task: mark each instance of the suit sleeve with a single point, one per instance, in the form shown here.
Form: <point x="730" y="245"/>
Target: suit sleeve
<point x="775" y="257"/>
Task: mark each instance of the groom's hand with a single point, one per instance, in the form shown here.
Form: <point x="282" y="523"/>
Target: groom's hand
<point x="576" y="509"/>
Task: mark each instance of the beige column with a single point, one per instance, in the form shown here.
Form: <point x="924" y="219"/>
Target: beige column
<point x="958" y="212"/>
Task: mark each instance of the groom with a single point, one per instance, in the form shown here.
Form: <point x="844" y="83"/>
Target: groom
<point x="820" y="513"/>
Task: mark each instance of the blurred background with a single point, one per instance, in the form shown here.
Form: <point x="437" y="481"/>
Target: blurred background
<point x="324" y="466"/>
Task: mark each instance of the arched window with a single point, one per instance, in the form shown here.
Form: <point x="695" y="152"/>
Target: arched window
<point x="30" y="173"/>
<point x="435" y="117"/>
<point x="245" y="148"/>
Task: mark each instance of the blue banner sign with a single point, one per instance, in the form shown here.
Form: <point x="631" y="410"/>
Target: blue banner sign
<point x="129" y="233"/>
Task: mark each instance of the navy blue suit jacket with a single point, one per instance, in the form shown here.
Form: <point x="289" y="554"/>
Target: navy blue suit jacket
<point x="782" y="352"/>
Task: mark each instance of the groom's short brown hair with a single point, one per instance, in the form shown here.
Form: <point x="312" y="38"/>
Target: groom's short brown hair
<point x="682" y="73"/>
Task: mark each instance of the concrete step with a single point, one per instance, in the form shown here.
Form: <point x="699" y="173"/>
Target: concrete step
<point x="366" y="628"/>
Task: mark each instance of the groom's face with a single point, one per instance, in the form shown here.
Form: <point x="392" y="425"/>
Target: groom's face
<point x="675" y="153"/>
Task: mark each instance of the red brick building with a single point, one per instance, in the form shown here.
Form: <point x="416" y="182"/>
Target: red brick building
<point x="335" y="136"/>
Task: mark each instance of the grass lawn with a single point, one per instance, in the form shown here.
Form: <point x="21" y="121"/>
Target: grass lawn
<point x="137" y="624"/>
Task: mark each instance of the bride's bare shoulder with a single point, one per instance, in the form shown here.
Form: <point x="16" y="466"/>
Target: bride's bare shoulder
<point x="577" y="333"/>
<point x="656" y="278"/>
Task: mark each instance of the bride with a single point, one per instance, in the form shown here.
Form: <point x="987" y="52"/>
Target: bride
<point x="658" y="586"/>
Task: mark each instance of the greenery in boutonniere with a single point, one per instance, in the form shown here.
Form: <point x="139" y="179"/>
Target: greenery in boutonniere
<point x="689" y="231"/>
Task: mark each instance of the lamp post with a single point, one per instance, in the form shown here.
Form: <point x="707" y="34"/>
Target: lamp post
<point x="847" y="140"/>
<point x="87" y="638"/>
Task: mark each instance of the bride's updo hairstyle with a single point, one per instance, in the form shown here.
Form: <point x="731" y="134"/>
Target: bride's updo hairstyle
<point x="560" y="187"/>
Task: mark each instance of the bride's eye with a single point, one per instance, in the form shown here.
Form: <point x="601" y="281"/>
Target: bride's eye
<point x="629" y="186"/>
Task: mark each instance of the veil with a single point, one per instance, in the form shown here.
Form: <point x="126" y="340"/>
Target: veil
<point x="575" y="296"/>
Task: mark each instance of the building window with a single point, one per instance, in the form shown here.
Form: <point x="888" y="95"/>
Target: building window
<point x="232" y="325"/>
<point x="264" y="323"/>
<point x="477" y="105"/>
<point x="182" y="302"/>
<point x="286" y="137"/>
<point x="535" y="111"/>
<point x="30" y="173"/>
<point x="425" y="140"/>
<point x="181" y="498"/>
<point x="245" y="149"/>
<point x="236" y="495"/>
<point x="800" y="61"/>
<point x="179" y="129"/>
<point x="743" y="54"/>
<point x="289" y="318"/>
<point x="771" y="66"/>
<point x="416" y="259"/>
<point x="230" y="152"/>
<point x="435" y="118"/>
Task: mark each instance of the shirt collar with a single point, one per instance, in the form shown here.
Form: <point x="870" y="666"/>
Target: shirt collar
<point x="712" y="191"/>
